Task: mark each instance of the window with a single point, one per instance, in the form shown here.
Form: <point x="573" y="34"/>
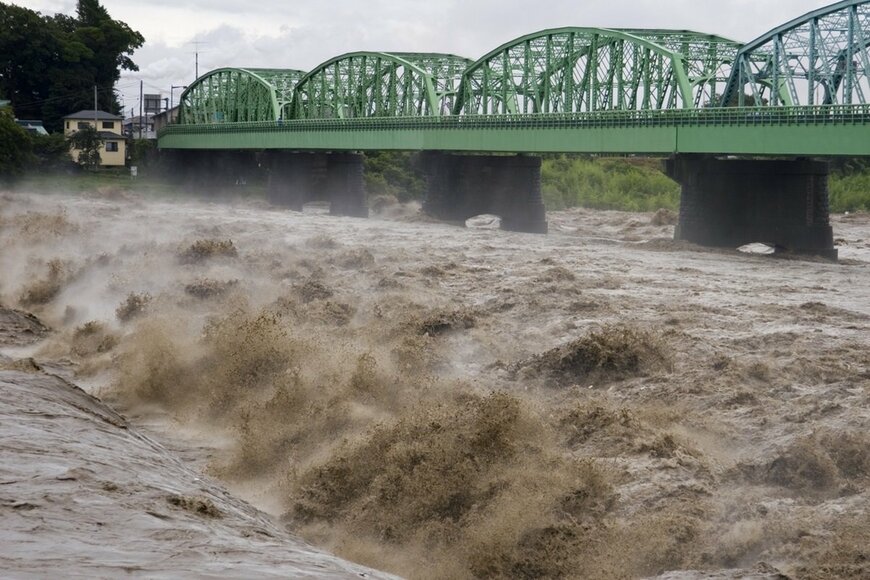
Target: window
<point x="108" y="124"/>
<point x="84" y="124"/>
<point x="67" y="124"/>
<point x="111" y="145"/>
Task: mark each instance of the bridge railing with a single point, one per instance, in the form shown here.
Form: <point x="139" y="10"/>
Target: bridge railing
<point x="708" y="117"/>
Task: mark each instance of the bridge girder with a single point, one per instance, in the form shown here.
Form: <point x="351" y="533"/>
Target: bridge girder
<point x="379" y="84"/>
<point x="238" y="95"/>
<point x="820" y="58"/>
<point x="570" y="70"/>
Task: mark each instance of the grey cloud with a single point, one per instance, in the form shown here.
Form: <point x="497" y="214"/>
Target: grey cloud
<point x="295" y="34"/>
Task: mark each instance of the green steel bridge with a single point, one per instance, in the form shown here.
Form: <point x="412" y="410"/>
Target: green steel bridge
<point x="738" y="122"/>
<point x="800" y="90"/>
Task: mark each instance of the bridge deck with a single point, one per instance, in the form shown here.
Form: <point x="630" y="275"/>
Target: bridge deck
<point x="766" y="131"/>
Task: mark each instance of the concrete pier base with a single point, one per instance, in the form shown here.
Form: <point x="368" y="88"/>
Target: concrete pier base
<point x="288" y="182"/>
<point x="733" y="202"/>
<point x="463" y="186"/>
<point x="345" y="186"/>
<point x="296" y="178"/>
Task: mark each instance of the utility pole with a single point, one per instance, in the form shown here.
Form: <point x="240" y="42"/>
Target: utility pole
<point x="196" y="44"/>
<point x="141" y="104"/>
<point x="96" y="108"/>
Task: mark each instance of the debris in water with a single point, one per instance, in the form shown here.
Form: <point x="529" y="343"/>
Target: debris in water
<point x="202" y="250"/>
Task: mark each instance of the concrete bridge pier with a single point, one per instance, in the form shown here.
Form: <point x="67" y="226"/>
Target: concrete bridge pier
<point x="733" y="202"/>
<point x="289" y="179"/>
<point x="463" y="186"/>
<point x="441" y="196"/>
<point x="523" y="203"/>
<point x="345" y="186"/>
<point x="296" y="178"/>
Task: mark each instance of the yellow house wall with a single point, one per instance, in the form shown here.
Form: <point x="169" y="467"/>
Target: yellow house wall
<point x="107" y="158"/>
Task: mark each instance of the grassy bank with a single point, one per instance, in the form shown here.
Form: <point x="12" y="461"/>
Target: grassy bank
<point x="850" y="191"/>
<point x="638" y="184"/>
<point x="629" y="184"/>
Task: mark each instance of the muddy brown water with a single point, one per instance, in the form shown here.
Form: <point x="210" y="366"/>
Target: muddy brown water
<point x="445" y="402"/>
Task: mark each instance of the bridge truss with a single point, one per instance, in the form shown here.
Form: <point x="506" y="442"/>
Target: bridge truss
<point x="378" y="84"/>
<point x="801" y="89"/>
<point x="571" y="70"/>
<point x="820" y="58"/>
<point x="238" y="95"/>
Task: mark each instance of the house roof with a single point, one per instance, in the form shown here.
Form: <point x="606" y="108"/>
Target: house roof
<point x="110" y="135"/>
<point x="33" y="126"/>
<point x="90" y="115"/>
<point x="136" y="120"/>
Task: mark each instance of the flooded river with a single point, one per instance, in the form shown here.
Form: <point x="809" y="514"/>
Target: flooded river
<point x="435" y="401"/>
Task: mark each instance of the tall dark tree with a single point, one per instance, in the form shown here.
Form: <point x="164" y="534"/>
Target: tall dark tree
<point x="14" y="147"/>
<point x="49" y="65"/>
<point x="112" y="43"/>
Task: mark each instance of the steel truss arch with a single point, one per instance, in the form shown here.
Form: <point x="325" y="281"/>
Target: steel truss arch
<point x="708" y="59"/>
<point x="237" y="95"/>
<point x="379" y="84"/>
<point x="570" y="70"/>
<point x="820" y="58"/>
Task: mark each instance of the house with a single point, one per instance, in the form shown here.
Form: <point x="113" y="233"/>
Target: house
<point x="32" y="126"/>
<point x="140" y="127"/>
<point x="113" y="152"/>
<point x="165" y="118"/>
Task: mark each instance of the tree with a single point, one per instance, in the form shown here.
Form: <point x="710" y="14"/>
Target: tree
<point x="49" y="65"/>
<point x="87" y="141"/>
<point x="14" y="147"/>
<point x="51" y="152"/>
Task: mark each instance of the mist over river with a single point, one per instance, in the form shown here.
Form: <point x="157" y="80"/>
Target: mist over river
<point x="425" y="399"/>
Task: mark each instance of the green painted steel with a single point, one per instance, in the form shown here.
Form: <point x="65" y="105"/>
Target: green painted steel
<point x="573" y="70"/>
<point x="819" y="58"/>
<point x="799" y="90"/>
<point x="820" y="130"/>
<point x="708" y="60"/>
<point x="238" y="95"/>
<point x="378" y="84"/>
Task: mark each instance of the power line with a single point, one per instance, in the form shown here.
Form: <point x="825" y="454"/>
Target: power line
<point x="68" y="96"/>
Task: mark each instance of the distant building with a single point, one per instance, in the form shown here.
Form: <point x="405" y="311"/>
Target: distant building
<point x="32" y="126"/>
<point x="165" y="118"/>
<point x="140" y="127"/>
<point x="113" y="152"/>
<point x="152" y="104"/>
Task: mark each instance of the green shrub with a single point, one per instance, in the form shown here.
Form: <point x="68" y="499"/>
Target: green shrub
<point x="850" y="191"/>
<point x="14" y="147"/>
<point x="51" y="151"/>
<point x="634" y="184"/>
<point x="393" y="173"/>
<point x="87" y="141"/>
<point x="142" y="152"/>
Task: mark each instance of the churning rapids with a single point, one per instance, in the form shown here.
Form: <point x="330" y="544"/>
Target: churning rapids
<point x="433" y="401"/>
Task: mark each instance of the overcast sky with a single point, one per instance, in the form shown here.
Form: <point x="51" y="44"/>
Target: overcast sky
<point x="300" y="34"/>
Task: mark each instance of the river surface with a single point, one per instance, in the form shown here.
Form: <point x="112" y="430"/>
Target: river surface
<point x="431" y="400"/>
